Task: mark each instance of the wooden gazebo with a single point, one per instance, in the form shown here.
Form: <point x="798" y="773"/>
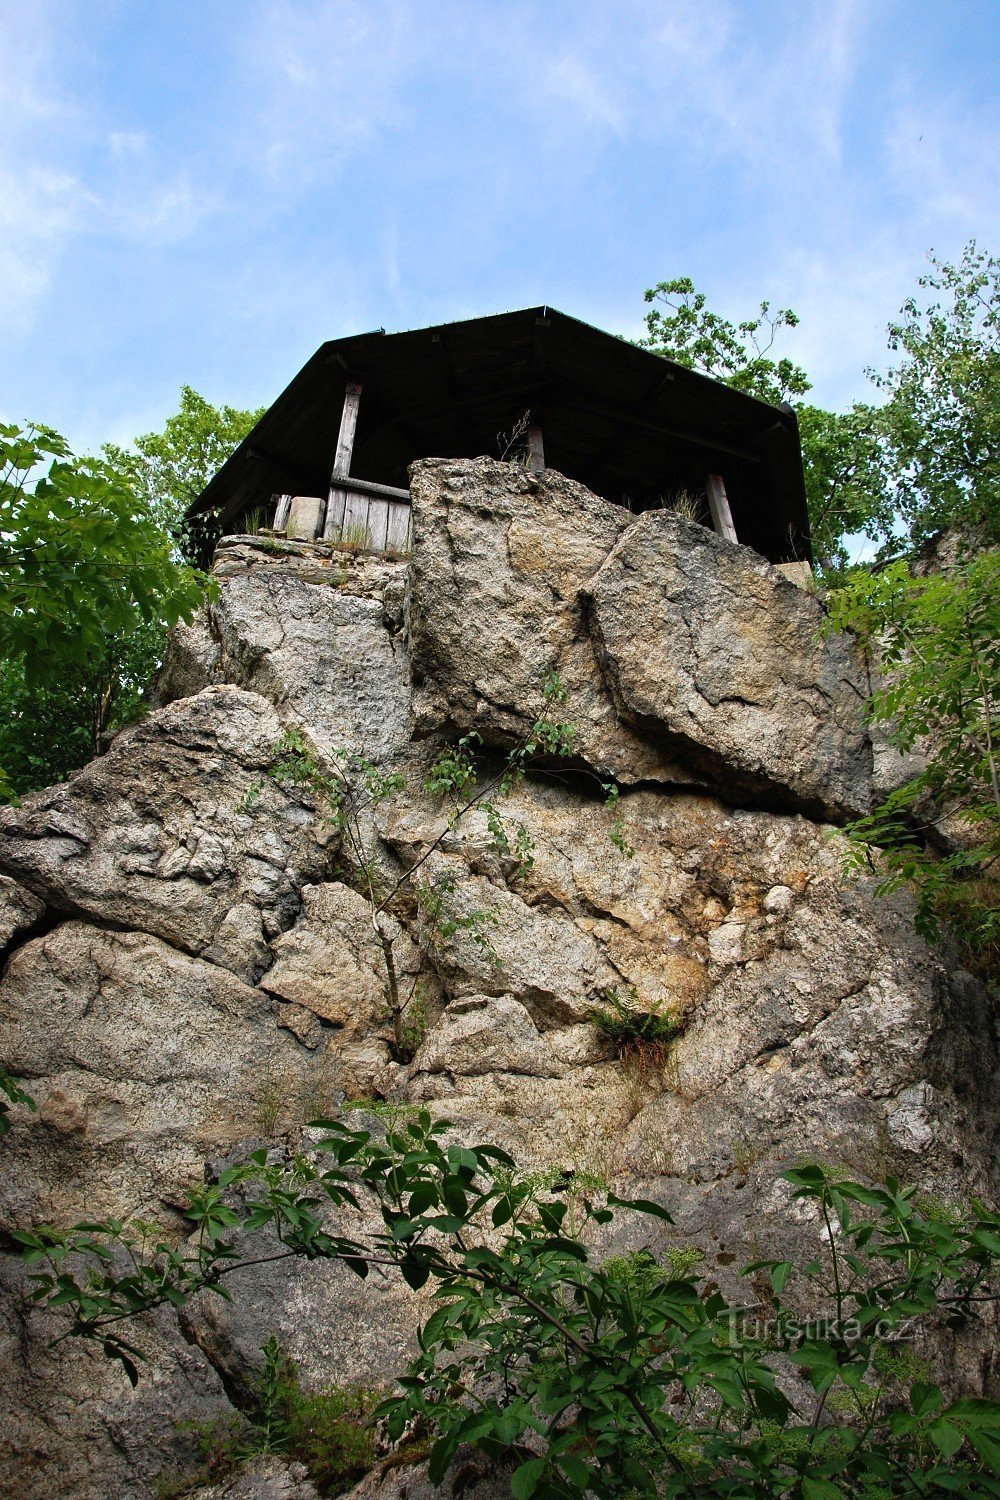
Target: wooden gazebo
<point x="330" y="457"/>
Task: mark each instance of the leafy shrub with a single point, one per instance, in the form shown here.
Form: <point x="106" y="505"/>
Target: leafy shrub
<point x="635" y="1377"/>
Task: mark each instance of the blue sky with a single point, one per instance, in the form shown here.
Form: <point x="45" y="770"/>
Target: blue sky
<point x="205" y="192"/>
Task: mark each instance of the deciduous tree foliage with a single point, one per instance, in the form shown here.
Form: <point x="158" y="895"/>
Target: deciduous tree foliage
<point x="88" y="580"/>
<point x="936" y="641"/>
<point x="168" y="470"/>
<point x="92" y="577"/>
<point x="839" y="450"/>
<point x="923" y="457"/>
<point x="941" y="419"/>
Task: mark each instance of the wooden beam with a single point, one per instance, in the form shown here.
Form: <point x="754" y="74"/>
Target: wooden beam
<point x="718" y="504"/>
<point x="281" y="512"/>
<point x="348" y="427"/>
<point x="337" y="503"/>
<point x="618" y="441"/>
<point x="536" y="449"/>
<point x="378" y="491"/>
<point x="659" y="429"/>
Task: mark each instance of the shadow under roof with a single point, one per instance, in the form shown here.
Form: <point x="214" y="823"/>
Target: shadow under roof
<point x="628" y="424"/>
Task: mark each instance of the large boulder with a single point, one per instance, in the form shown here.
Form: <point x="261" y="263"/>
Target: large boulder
<point x="814" y="1019"/>
<point x="686" y="659"/>
<point x="499" y="558"/>
<point x="179" y="831"/>
<point x="706" y="645"/>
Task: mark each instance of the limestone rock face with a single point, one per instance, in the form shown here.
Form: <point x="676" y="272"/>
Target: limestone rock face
<point x="316" y="631"/>
<point x="686" y="659"/>
<point x="74" y="1427"/>
<point x="193" y="968"/>
<point x="268" y="1478"/>
<point x="19" y="911"/>
<point x="499" y="559"/>
<point x="178" y="831"/>
<point x="143" y="1062"/>
<point x="730" y="667"/>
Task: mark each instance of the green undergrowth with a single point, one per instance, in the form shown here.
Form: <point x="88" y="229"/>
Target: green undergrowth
<point x="330" y="1431"/>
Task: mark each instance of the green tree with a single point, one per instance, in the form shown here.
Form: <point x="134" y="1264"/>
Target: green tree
<point x="683" y="327"/>
<point x="937" y="642"/>
<point x="940" y="424"/>
<point x="842" y="455"/>
<point x="89" y="582"/>
<point x="168" y="470"/>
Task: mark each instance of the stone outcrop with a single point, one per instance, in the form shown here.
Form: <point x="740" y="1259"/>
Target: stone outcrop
<point x="191" y="969"/>
<point x="178" y="832"/>
<point x="687" y="659"/>
<point x="730" y="667"/>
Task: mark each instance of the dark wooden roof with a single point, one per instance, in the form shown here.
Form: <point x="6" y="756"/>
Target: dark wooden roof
<point x="628" y="424"/>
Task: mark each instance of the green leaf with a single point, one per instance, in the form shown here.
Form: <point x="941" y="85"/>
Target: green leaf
<point x="440" y="1457"/>
<point x="946" y="1438"/>
<point x="924" y="1398"/>
<point x="642" y="1206"/>
<point x="525" y="1479"/>
<point x="820" y="1489"/>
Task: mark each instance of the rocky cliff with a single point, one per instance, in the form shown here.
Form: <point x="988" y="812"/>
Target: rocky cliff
<point x="190" y="972"/>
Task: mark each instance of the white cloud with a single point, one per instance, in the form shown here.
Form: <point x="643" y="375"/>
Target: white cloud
<point x="320" y="79"/>
<point x="66" y="173"/>
<point x="574" y="83"/>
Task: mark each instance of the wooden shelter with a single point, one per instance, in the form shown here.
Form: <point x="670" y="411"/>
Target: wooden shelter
<point x="330" y="457"/>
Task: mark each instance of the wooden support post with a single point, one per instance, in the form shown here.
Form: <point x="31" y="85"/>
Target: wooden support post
<point x="718" y="504"/>
<point x="536" y="449"/>
<point x="281" y="511"/>
<point x="336" y="504"/>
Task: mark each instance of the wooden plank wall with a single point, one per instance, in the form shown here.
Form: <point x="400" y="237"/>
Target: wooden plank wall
<point x="377" y="525"/>
<point x="367" y="522"/>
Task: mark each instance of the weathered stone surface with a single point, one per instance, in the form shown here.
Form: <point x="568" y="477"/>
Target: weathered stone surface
<point x="814" y="1019"/>
<point x="704" y="643"/>
<point x="316" y="631"/>
<point x="331" y="961"/>
<point x="73" y="1427"/>
<point x="499" y="557"/>
<point x="472" y="1477"/>
<point x="19" y="911"/>
<point x="713" y="669"/>
<point x="178" y="831"/>
<point x="143" y="1062"/>
<point x="268" y="1478"/>
<point x="334" y="1325"/>
<point x="487" y="1034"/>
